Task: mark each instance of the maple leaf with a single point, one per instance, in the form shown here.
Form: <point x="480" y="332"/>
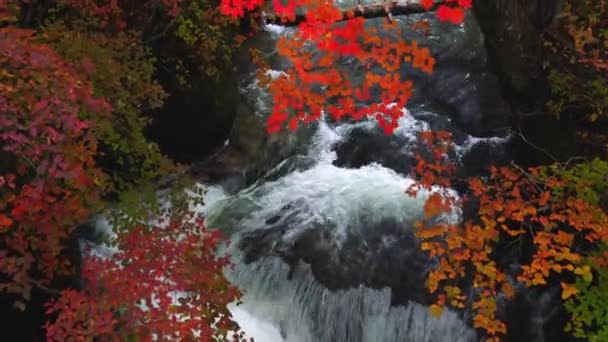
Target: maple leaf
<point x="433" y="206"/>
<point x="584" y="272"/>
<point x="465" y="3"/>
<point x="568" y="290"/>
<point x="454" y="15"/>
<point x="5" y="223"/>
<point x="427" y="4"/>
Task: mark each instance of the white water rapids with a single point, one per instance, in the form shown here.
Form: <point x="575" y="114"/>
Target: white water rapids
<point x="285" y="302"/>
<point x="279" y="306"/>
<point x="284" y="305"/>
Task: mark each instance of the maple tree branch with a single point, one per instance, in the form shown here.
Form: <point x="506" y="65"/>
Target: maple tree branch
<point x="157" y="35"/>
<point x="44" y="288"/>
<point x="387" y="9"/>
<point x="536" y="147"/>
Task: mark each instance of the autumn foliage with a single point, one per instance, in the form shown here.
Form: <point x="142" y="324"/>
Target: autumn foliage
<point x="49" y="179"/>
<point x="72" y="100"/>
<point x="71" y="134"/>
<point x="542" y="208"/>
<point x="313" y="86"/>
<point x="164" y="282"/>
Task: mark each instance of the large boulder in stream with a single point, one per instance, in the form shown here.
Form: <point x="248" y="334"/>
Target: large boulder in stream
<point x="386" y="256"/>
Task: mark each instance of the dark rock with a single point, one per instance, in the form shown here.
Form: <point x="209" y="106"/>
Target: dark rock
<point x="386" y="255"/>
<point x="477" y="159"/>
<point x="512" y="33"/>
<point x="537" y="315"/>
<point x="363" y="146"/>
<point x="195" y="122"/>
<point x="473" y="99"/>
<point x="222" y="163"/>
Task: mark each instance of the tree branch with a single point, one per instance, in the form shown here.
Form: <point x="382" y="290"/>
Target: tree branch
<point x="536" y="147"/>
<point x="154" y="36"/>
<point x="387" y="9"/>
<point x="44" y="288"/>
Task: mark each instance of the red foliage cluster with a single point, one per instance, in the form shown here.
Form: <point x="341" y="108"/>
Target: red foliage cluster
<point x="452" y="11"/>
<point x="447" y="10"/>
<point x="314" y="85"/>
<point x="49" y="180"/>
<point x="49" y="184"/>
<point x="134" y="292"/>
<point x="303" y="92"/>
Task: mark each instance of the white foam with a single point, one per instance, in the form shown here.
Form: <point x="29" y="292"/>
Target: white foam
<point x="275" y="29"/>
<point x="253" y="326"/>
<point x="304" y="311"/>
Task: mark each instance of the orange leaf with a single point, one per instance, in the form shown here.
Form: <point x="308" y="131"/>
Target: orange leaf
<point x="431" y="232"/>
<point x="436" y="310"/>
<point x="5" y="223"/>
<point x="433" y="206"/>
<point x="568" y="290"/>
<point x="508" y="290"/>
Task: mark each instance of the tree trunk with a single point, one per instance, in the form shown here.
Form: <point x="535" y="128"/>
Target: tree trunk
<point x="513" y="33"/>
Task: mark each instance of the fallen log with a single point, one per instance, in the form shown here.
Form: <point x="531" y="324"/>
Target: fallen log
<point x="385" y="9"/>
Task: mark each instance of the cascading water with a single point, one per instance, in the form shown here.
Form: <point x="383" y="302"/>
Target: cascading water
<point x="322" y="243"/>
<point x="318" y="250"/>
<point x="344" y="210"/>
<point x="322" y="237"/>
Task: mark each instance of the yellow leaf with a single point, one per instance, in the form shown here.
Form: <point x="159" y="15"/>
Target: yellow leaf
<point x="568" y="290"/>
<point x="436" y="310"/>
<point x="584" y="272"/>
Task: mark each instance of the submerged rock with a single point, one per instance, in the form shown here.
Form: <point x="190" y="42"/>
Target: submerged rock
<point x="386" y="255"/>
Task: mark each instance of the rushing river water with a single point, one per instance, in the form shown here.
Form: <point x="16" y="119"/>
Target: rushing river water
<point x="330" y="223"/>
<point x="322" y="243"/>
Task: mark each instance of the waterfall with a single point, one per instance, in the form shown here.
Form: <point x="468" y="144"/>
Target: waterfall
<point x="322" y="244"/>
<point x="304" y="311"/>
<point x="350" y="220"/>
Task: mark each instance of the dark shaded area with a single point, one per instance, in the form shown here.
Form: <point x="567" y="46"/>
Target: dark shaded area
<point x="196" y="119"/>
<point x="512" y="32"/>
<point x="25" y="325"/>
<point x="537" y="315"/>
<point x="28" y="325"/>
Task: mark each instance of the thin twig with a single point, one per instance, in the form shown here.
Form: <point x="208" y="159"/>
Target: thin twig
<point x="161" y="34"/>
<point x="536" y="147"/>
<point x="44" y="287"/>
<point x="527" y="174"/>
